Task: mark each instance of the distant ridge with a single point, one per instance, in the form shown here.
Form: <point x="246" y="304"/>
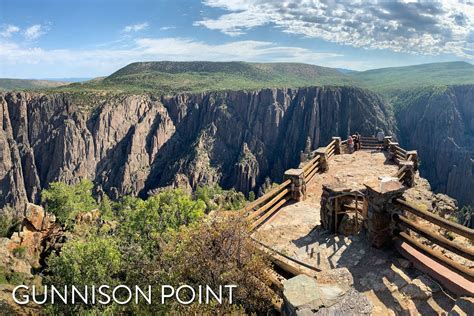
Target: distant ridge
<point x="19" y="84"/>
<point x="389" y="81"/>
<point x="168" y="77"/>
<point x="199" y="76"/>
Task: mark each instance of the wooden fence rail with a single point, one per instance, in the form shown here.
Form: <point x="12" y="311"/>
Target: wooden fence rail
<point x="435" y="219"/>
<point x="258" y="211"/>
<point x="435" y="238"/>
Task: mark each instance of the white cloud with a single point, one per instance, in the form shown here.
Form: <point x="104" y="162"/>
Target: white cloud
<point x="34" y="31"/>
<point x="429" y="28"/>
<point x="105" y="61"/>
<point x="135" y="27"/>
<point x="187" y="49"/>
<point x="8" y="30"/>
<point x="166" y="28"/>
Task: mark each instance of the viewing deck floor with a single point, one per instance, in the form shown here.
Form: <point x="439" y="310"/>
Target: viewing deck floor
<point x="381" y="274"/>
<point x="298" y="223"/>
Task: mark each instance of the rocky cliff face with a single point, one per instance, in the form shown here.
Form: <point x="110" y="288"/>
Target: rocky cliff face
<point x="439" y="123"/>
<point x="136" y="144"/>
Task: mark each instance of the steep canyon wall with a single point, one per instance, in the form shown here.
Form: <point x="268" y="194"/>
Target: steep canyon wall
<point x="136" y="144"/>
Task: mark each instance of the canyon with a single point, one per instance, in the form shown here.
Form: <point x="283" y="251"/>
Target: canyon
<point x="138" y="144"/>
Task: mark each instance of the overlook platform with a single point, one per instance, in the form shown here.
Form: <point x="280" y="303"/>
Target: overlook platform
<point x="383" y="275"/>
<point x="297" y="223"/>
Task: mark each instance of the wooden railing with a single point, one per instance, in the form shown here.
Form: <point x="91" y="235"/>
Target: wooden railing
<point x="344" y="147"/>
<point x="262" y="208"/>
<point x="405" y="223"/>
<point x="311" y="168"/>
<point x="398" y="152"/>
<point x="330" y="149"/>
<point x="258" y="211"/>
<point x="368" y="142"/>
<point x="314" y="165"/>
<point x="400" y="156"/>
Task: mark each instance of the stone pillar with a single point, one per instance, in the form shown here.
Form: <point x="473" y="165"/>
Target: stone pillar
<point x="412" y="155"/>
<point x="337" y="145"/>
<point x="380" y="194"/>
<point x="409" y="178"/>
<point x="386" y="142"/>
<point x="298" y="184"/>
<point x="323" y="158"/>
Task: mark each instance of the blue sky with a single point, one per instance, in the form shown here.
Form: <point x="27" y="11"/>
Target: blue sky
<point x="90" y="38"/>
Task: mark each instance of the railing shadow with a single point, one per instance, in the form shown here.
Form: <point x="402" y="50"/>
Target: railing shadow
<point x="375" y="270"/>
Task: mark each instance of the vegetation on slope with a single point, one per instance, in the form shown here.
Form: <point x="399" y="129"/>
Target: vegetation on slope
<point x="166" y="239"/>
<point x="166" y="77"/>
<point x="28" y="84"/>
<point x="393" y="81"/>
<point x="176" y="77"/>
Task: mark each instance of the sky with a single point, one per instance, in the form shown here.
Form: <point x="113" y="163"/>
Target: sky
<point x="91" y="38"/>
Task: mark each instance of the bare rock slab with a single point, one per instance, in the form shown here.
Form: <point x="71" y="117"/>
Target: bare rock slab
<point x="304" y="295"/>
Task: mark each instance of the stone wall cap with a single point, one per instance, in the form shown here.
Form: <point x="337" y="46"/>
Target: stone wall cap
<point x="294" y="172"/>
<point x="385" y="184"/>
<point x="336" y="188"/>
<point x="321" y="150"/>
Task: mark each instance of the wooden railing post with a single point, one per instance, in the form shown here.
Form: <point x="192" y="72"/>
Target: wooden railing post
<point x="323" y="158"/>
<point x="392" y="150"/>
<point x="409" y="173"/>
<point x="298" y="184"/>
<point x="386" y="142"/>
<point x="337" y="145"/>
<point x="380" y="195"/>
<point x="412" y="155"/>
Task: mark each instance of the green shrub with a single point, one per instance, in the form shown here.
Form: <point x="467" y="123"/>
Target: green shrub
<point x="465" y="216"/>
<point x="95" y="261"/>
<point x="217" y="253"/>
<point x="144" y="221"/>
<point x="16" y="278"/>
<point x="65" y="201"/>
<point x="3" y="276"/>
<point x="8" y="221"/>
<point x="251" y="196"/>
<point x="19" y="252"/>
<point x="217" y="198"/>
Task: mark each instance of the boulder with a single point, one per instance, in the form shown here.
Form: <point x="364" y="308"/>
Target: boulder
<point x="34" y="215"/>
<point x="304" y="295"/>
<point x="301" y="293"/>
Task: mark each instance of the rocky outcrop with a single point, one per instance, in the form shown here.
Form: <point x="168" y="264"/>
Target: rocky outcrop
<point x="39" y="234"/>
<point x="439" y="123"/>
<point x="303" y="295"/>
<point x="134" y="144"/>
